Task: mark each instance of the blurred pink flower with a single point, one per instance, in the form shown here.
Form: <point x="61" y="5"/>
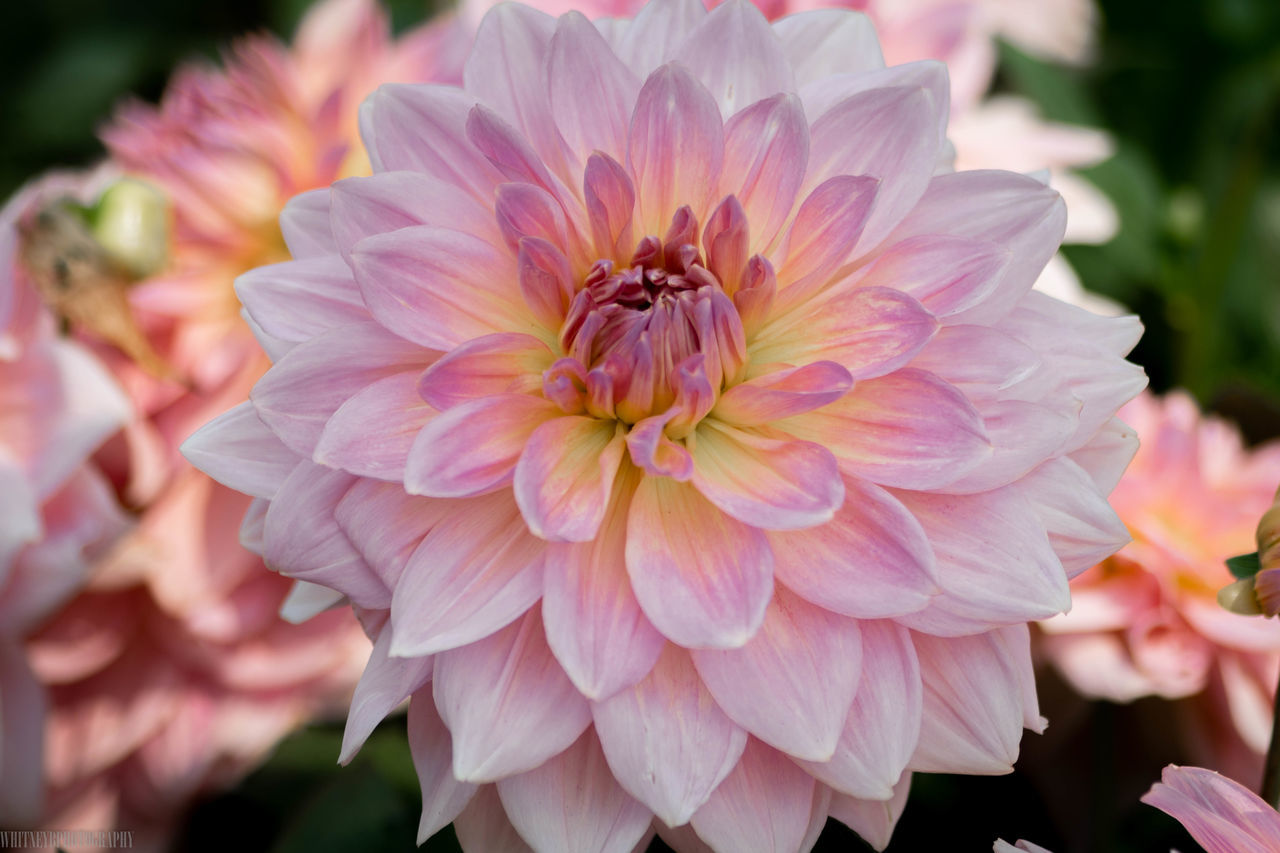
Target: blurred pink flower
<point x="1222" y="815"/>
<point x="688" y="447"/>
<point x="1147" y="621"/>
<point x="171" y="672"/>
<point x="57" y="404"/>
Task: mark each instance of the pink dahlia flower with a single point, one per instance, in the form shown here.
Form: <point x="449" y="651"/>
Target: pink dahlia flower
<point x="689" y="448"/>
<point x="57" y="404"/>
<point x="1146" y="622"/>
<point x="1221" y="814"/>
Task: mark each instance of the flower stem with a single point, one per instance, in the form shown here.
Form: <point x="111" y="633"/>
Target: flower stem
<point x="1271" y="770"/>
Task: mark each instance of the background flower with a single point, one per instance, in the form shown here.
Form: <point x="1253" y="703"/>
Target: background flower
<point x="56" y="405"/>
<point x="591" y="395"/>
<point x="1221" y="814"/>
<point x="170" y="672"/>
<point x="1147" y="621"/>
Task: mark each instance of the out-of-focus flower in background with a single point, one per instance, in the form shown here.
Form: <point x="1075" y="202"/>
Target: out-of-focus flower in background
<point x="170" y="671"/>
<point x="1220" y="813"/>
<point x="689" y="447"/>
<point x="1146" y="622"/>
<point x="57" y="404"/>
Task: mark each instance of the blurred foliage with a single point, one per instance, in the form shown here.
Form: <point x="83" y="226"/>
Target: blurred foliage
<point x="1190" y="90"/>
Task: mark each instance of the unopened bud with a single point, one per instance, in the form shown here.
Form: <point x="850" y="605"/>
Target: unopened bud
<point x="131" y="223"/>
<point x="1238" y="597"/>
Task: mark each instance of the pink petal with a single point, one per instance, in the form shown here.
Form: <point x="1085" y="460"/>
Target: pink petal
<point x="823" y="234"/>
<point x="371" y="433"/>
<point x="236" y="449"/>
<point x="657" y="33"/>
<point x="667" y="742"/>
<point x="947" y="274"/>
<point x="565" y="476"/>
<point x="301" y="392"/>
<point x="590" y="90"/>
<point x="871" y="561"/>
<point x="495" y="364"/>
<point x="1022" y="436"/>
<point x="908" y="430"/>
<point x="820" y="96"/>
<point x="822" y="42"/>
<point x="506" y="71"/>
<point x="572" y="803"/>
<point x="526" y="210"/>
<point x="546" y="280"/>
<point x="443" y="796"/>
<point x="870" y="331"/>
<point x="1009" y="210"/>
<point x="735" y="54"/>
<point x="818" y="813"/>
<point x="675" y="146"/>
<point x="610" y="204"/>
<point x="297" y="300"/>
<point x="473" y="447"/>
<point x="1219" y="813"/>
<point x="386" y="525"/>
<point x="475" y="571"/>
<point x="304" y="225"/>
<point x="512" y="154"/>
<point x="384" y="684"/>
<point x="889" y="134"/>
<point x="979" y="360"/>
<point x="507" y="703"/>
<point x="308" y="600"/>
<point x="995" y="564"/>
<point x="874" y="820"/>
<point x="764" y="482"/>
<point x="1083" y="528"/>
<point x="593" y="621"/>
<point x="483" y="825"/>
<point x="883" y="726"/>
<point x="764" y="804"/>
<point x="703" y="578"/>
<point x="658" y="455"/>
<point x="973" y="714"/>
<point x="303" y="540"/>
<point x="792" y="684"/>
<point x="389" y="201"/>
<point x="439" y="287"/>
<point x="725" y="241"/>
<point x="1107" y="454"/>
<point x="766" y="148"/>
<point x="783" y="393"/>
<point x="395" y="120"/>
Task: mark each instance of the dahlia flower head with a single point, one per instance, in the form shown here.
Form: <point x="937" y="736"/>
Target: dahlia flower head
<point x="1222" y="815"/>
<point x="693" y="453"/>
<point x="1146" y="622"/>
<point x="57" y="404"/>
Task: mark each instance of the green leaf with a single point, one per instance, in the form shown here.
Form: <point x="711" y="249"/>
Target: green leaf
<point x="1244" y="566"/>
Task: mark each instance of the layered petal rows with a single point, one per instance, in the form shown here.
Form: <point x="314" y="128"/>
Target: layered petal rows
<point x="693" y="451"/>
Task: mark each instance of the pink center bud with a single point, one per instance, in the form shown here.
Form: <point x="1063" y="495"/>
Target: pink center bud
<point x="656" y="333"/>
